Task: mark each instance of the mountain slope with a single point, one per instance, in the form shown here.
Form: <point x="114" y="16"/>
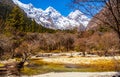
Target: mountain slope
<point x="51" y="18"/>
<point x="95" y="22"/>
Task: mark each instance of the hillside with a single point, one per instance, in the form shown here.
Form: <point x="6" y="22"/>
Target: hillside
<point x="108" y="16"/>
<point x="96" y="22"/>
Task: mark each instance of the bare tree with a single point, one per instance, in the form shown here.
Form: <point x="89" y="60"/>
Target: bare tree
<point x="81" y="45"/>
<point x="105" y="12"/>
<point x="68" y="42"/>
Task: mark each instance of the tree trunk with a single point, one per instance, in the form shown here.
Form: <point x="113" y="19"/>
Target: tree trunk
<point x="84" y="54"/>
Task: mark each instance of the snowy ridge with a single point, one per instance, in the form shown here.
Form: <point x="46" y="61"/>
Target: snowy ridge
<point x="51" y="18"/>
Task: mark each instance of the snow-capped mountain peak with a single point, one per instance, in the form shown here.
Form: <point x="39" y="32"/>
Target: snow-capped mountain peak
<point x="30" y="5"/>
<point x="50" y="9"/>
<point x="75" y="14"/>
<point x="79" y="17"/>
<point x="51" y="18"/>
<point x="52" y="12"/>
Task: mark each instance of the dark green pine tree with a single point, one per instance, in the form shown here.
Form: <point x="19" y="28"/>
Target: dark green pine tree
<point x="33" y="25"/>
<point x="16" y="19"/>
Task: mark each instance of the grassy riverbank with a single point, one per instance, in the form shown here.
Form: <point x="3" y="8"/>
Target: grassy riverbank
<point x="39" y="66"/>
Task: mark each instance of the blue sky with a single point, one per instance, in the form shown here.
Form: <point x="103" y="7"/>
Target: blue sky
<point x="59" y="5"/>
